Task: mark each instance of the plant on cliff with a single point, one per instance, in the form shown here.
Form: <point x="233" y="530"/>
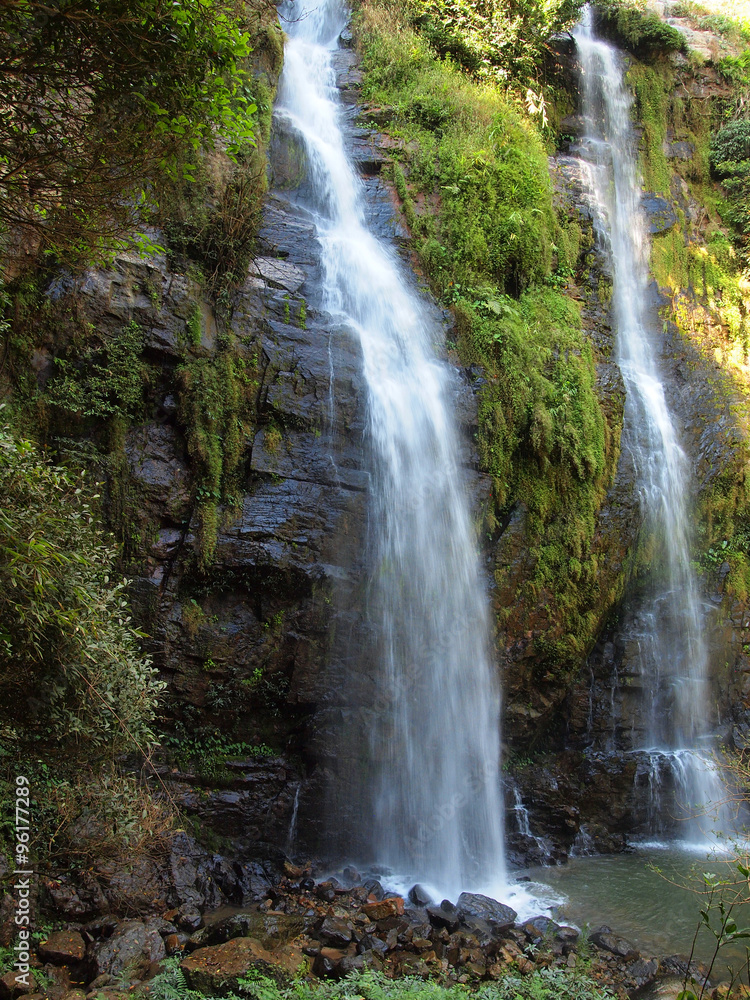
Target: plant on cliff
<point x="72" y="674"/>
<point x="641" y="31"/>
<point x="104" y="100"/>
<point x="506" y="39"/>
<point x="216" y="396"/>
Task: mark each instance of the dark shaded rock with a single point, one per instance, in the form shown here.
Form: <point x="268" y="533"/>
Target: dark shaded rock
<point x="328" y="962"/>
<point x="495" y="913"/>
<point x="419" y="896"/>
<point x="63" y="948"/>
<point x="446" y="915"/>
<point x="374" y="888"/>
<point x="336" y="932"/>
<point x="371" y="942"/>
<point x="131" y="946"/>
<point x="604" y="938"/>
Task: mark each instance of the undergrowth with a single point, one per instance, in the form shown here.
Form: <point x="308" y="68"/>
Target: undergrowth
<point x="546" y="984"/>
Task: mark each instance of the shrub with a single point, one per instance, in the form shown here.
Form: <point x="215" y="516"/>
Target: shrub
<point x="71" y="669"/>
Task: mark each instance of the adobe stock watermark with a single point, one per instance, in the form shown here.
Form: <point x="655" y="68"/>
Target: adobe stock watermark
<point x="23" y="875"/>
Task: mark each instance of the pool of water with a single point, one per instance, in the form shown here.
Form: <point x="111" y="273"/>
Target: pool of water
<point x="652" y="897"/>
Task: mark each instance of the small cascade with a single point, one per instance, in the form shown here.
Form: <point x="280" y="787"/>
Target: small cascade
<point x="668" y="660"/>
<point x="523" y="825"/>
<point x="583" y="845"/>
<point x="291" y="837"/>
<point x="684" y="796"/>
<point x="427" y="789"/>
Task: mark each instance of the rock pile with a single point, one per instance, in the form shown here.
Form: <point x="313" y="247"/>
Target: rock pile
<point x="328" y="929"/>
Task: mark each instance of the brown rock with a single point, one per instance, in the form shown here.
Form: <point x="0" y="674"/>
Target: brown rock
<point x="63" y="948"/>
<point x="207" y="968"/>
<point x="391" y="907"/>
<point x="14" y="984"/>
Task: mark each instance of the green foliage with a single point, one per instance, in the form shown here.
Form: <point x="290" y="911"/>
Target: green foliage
<point x="213" y="220"/>
<point x="208" y="753"/>
<point x="109" y="100"/>
<point x="468" y="145"/>
<point x="504" y="39"/>
<point x="642" y="32"/>
<point x="216" y="395"/>
<point x="730" y="161"/>
<point x="72" y="670"/>
<point x="546" y="984"/>
<point x="102" y="382"/>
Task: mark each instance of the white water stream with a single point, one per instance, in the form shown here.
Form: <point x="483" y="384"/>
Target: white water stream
<point x="673" y="658"/>
<point x="433" y="804"/>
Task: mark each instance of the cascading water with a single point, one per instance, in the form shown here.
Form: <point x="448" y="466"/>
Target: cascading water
<point x="434" y="805"/>
<point x="672" y="654"/>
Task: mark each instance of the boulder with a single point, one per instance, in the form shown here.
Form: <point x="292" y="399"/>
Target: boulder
<point x="660" y="215"/>
<point x="63" y="948"/>
<point x="337" y="932"/>
<point x="498" y="915"/>
<point x="391" y="907"/>
<point x="419" y="896"/>
<point x="216" y="969"/>
<point x="604" y="938"/>
<point x="132" y="945"/>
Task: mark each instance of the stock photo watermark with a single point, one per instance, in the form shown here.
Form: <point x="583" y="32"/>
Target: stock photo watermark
<point x="22" y="881"/>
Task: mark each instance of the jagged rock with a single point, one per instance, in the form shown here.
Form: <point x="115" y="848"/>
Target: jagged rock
<point x="374" y="888"/>
<point x="538" y="928"/>
<point x="497" y="914"/>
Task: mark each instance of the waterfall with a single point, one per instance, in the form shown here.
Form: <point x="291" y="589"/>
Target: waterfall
<point x="672" y="654"/>
<point x="431" y="798"/>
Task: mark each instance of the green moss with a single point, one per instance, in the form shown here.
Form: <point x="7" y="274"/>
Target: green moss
<point x="194" y="326"/>
<point x="216" y="397"/>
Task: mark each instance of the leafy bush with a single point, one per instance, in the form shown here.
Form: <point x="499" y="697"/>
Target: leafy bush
<point x="729" y="146"/>
<point x="503" y="38"/>
<point x="110" y="98"/>
<point x="103" y="382"/>
<point x="642" y="32"/>
<point x="71" y="669"/>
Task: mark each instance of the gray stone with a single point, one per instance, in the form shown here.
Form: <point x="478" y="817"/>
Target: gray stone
<point x="497" y="914"/>
<point x="660" y="214"/>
